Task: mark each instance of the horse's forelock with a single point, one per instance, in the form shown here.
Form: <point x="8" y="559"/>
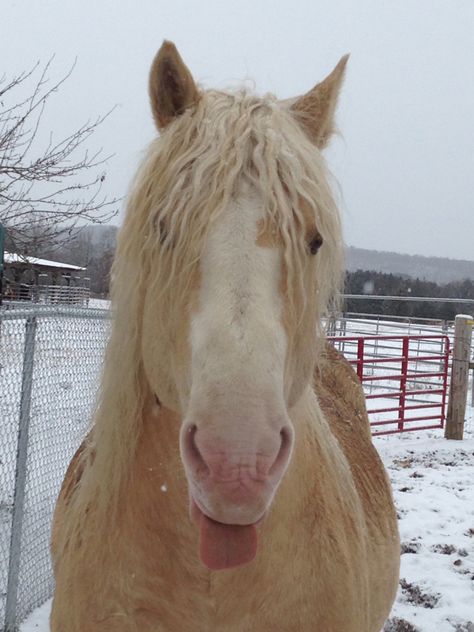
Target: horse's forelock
<point x="194" y="168"/>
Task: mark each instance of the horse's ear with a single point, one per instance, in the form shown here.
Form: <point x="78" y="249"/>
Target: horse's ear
<point x="171" y="86"/>
<point x="315" y="110"/>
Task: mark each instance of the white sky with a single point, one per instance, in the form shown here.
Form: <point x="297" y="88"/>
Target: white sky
<point x="405" y="161"/>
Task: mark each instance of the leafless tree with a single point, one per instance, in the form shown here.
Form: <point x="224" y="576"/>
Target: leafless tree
<point x="46" y="192"/>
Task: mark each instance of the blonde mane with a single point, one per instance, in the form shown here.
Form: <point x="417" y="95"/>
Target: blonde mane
<point x="187" y="177"/>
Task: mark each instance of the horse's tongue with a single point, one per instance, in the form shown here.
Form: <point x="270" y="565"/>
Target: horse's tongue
<point x="225" y="546"/>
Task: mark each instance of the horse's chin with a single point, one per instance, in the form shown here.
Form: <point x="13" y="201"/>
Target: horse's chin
<point x="224" y="546"/>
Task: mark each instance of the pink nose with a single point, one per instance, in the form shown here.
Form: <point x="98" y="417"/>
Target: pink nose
<point x="243" y="472"/>
<point x="210" y="457"/>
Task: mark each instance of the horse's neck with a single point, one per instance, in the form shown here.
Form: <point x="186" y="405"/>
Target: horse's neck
<point x="318" y="469"/>
<point x="157" y="481"/>
<point x="159" y="437"/>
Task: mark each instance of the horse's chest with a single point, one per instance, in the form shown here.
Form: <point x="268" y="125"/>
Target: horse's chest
<point x="257" y="598"/>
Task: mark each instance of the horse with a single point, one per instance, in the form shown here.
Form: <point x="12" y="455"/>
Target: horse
<point x="229" y="481"/>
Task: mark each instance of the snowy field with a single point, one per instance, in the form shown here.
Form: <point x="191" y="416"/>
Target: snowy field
<point x="433" y="485"/>
<point x="99" y="303"/>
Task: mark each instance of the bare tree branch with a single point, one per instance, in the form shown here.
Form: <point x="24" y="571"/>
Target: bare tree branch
<point x="45" y="195"/>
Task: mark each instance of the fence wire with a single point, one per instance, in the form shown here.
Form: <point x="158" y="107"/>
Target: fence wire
<point x="50" y="362"/>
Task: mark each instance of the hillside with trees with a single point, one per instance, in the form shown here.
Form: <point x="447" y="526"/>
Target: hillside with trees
<point x="379" y="283"/>
<point x="437" y="269"/>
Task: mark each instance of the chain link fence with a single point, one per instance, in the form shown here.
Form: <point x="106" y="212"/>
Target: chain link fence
<point x="50" y="361"/>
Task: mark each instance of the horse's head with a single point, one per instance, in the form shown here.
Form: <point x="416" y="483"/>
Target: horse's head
<point x="241" y="248"/>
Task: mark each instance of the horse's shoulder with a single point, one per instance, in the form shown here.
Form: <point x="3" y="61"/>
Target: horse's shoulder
<point x="340" y="392"/>
<point x="84" y="454"/>
<point x="342" y="401"/>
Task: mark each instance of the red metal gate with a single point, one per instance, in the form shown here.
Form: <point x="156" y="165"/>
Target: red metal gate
<point x="405" y="379"/>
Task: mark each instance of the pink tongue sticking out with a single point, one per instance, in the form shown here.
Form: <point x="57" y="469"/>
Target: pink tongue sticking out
<point x="224" y="546"/>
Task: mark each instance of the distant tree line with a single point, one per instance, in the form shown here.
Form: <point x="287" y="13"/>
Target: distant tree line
<point x="380" y="283"/>
<point x="438" y="269"/>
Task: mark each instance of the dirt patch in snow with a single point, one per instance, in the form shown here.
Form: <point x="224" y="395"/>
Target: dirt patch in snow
<point x="414" y="595"/>
<point x="399" y="625"/>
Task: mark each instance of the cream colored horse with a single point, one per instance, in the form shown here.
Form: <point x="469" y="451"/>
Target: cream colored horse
<point x="223" y="486"/>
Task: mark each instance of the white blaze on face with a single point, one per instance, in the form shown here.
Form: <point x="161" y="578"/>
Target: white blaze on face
<point x="236" y="437"/>
<point x="237" y="338"/>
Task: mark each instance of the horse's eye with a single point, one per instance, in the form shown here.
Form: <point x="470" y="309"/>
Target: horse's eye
<point x="315" y="244"/>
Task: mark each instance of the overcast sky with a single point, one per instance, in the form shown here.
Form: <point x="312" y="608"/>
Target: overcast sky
<point x="405" y="161"/>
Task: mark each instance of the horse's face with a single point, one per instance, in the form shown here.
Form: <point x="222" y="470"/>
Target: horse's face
<point x="232" y="346"/>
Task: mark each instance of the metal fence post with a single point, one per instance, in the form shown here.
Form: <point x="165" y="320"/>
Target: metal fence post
<point x="445" y="328"/>
<point x="20" y="476"/>
<point x="360" y="358"/>
<point x="472" y="387"/>
<point x="403" y="380"/>
<point x="2" y="257"/>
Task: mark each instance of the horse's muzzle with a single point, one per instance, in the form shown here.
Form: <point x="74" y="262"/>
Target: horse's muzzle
<point x="234" y="480"/>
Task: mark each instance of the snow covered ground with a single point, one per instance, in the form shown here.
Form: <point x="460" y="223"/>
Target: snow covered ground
<point x="99" y="303"/>
<point x="39" y="620"/>
<point x="433" y="485"/>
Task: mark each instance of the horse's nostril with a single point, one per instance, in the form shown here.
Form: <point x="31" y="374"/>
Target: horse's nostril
<point x="283" y="456"/>
<point x="191" y="450"/>
<point x="286" y="436"/>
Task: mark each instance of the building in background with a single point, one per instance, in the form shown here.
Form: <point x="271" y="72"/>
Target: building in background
<point x="43" y="281"/>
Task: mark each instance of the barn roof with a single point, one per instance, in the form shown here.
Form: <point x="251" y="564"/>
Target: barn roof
<point x="14" y="259"/>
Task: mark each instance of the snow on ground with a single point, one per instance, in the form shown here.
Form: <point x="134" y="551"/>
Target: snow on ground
<point x="433" y="485"/>
<point x="99" y="303"/>
<point x="39" y="620"/>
